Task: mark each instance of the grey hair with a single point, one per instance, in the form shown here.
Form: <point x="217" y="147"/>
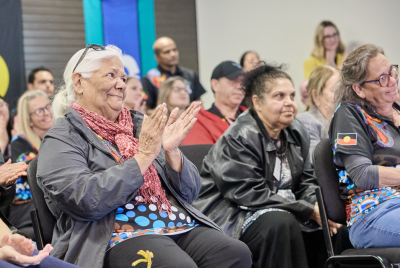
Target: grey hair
<point x="354" y="72"/>
<point x="91" y="62"/>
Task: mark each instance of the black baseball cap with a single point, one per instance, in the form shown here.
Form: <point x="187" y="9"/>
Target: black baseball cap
<point x="228" y="69"/>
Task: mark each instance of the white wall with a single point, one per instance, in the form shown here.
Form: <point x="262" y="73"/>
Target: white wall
<point x="283" y="31"/>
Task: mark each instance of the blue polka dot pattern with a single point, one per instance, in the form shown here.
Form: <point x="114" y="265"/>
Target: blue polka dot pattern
<point x="142" y="208"/>
<point x="179" y="223"/>
<point x="158" y="224"/>
<point x="130" y="214"/>
<point x="121" y="217"/>
<point x="120" y="210"/>
<point x="163" y="214"/>
<point x="153" y="216"/>
<point x="142" y="221"/>
<point x="171" y="224"/>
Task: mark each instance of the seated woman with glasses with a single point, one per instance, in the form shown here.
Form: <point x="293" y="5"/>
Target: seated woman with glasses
<point x="116" y="181"/>
<point x="257" y="180"/>
<point x="365" y="138"/>
<point x="175" y="93"/>
<point x="35" y="119"/>
<point x="328" y="48"/>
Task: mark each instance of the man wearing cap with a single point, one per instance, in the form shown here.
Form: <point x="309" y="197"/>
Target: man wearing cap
<point x="226" y="83"/>
<point x="167" y="56"/>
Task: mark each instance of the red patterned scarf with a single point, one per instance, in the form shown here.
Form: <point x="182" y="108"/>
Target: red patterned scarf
<point x="120" y="133"/>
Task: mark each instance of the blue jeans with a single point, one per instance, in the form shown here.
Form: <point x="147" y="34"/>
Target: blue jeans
<point x="378" y="228"/>
<point x="48" y="262"/>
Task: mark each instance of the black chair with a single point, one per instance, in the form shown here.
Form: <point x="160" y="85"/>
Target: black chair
<point x="196" y="153"/>
<point x="42" y="219"/>
<point x="332" y="207"/>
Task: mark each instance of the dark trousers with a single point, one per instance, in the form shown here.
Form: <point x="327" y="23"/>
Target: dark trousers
<point x="200" y="247"/>
<point x="276" y="240"/>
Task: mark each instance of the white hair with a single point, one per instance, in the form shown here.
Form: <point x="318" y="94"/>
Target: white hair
<point x="91" y="62"/>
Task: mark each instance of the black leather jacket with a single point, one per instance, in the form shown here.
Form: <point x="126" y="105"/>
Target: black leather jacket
<point x="6" y="195"/>
<point x="237" y="175"/>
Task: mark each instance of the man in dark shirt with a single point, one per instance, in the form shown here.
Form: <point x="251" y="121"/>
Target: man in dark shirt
<point x="226" y="81"/>
<point x="167" y="56"/>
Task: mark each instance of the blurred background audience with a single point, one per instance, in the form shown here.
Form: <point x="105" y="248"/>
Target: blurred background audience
<point x="226" y="84"/>
<point x="175" y="93"/>
<point x="167" y="56"/>
<point x="41" y="78"/>
<point x="328" y="48"/>
<point x="135" y="97"/>
<point x="321" y="90"/>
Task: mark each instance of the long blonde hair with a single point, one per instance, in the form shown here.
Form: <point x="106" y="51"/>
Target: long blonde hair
<point x="166" y="89"/>
<point x="319" y="50"/>
<point x="24" y="116"/>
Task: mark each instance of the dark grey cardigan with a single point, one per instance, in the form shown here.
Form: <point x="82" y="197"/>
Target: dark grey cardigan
<point x="84" y="186"/>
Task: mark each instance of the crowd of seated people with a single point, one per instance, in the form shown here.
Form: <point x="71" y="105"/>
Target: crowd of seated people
<point x="124" y="195"/>
<point x="167" y="57"/>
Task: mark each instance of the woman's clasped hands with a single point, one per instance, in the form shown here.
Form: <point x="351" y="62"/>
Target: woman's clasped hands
<point x="9" y="173"/>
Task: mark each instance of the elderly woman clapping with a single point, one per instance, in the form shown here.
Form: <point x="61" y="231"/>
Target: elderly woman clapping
<point x="113" y="188"/>
<point x="364" y="134"/>
<point x="258" y="179"/>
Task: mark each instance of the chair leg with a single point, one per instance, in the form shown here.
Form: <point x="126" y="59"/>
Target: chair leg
<point x="358" y="261"/>
<point x="36" y="229"/>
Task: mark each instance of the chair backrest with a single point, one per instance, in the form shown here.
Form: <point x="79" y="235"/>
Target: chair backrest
<point x="46" y="218"/>
<point x="328" y="180"/>
<point x="196" y="153"/>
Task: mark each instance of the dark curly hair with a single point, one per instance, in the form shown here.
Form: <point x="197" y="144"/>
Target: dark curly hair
<point x="261" y="80"/>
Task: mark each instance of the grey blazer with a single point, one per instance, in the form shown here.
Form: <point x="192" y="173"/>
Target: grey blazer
<point x="84" y="185"/>
<point x="317" y="126"/>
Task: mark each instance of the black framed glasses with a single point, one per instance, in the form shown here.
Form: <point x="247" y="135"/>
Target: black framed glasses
<point x="384" y="78"/>
<point x="94" y="46"/>
<point x="330" y="36"/>
<point x="179" y="89"/>
<point x="40" y="111"/>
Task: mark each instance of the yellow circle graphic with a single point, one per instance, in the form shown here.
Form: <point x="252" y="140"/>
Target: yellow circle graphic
<point x="4" y="77"/>
<point x="346" y="139"/>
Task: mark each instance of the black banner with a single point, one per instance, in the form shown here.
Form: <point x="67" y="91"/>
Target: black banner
<point x="12" y="66"/>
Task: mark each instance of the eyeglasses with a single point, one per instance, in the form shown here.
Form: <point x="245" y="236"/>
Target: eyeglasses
<point x="384" y="78"/>
<point x="330" y="36"/>
<point x="3" y="104"/>
<point x="40" y="111"/>
<point x="179" y="89"/>
<point x="94" y="46"/>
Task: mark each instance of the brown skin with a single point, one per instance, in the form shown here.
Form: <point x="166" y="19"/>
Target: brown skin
<point x="277" y="110"/>
<point x="44" y="81"/>
<point x="383" y="99"/>
<point x="167" y="54"/>
<point x="251" y="61"/>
